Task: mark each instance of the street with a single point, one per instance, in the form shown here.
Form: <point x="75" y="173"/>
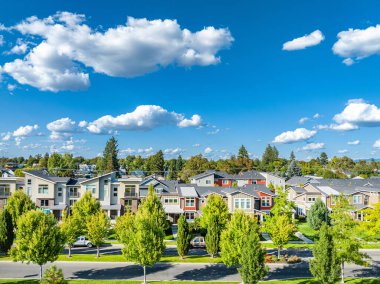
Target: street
<point x="177" y="271"/>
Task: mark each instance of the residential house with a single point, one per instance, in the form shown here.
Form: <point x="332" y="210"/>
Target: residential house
<point x="8" y="185"/>
<point x="219" y="178"/>
<point x="273" y="180"/>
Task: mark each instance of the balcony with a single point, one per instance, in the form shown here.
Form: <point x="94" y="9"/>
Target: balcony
<point x="74" y="195"/>
<point x="130" y="194"/>
<point x="5" y="195"/>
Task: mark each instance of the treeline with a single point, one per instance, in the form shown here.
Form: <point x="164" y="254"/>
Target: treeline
<point x="179" y="168"/>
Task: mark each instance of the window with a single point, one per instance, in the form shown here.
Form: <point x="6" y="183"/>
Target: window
<point x="29" y="181"/>
<point x="5" y="190"/>
<point x="105" y="181"/>
<point x="73" y="192"/>
<point x="333" y="200"/>
<point x="44" y="202"/>
<point x="130" y="190"/>
<point x="208" y="181"/>
<point x="59" y="191"/>
<point x="311" y="199"/>
<point x="29" y="191"/>
<point x="91" y="188"/>
<point x="115" y="192"/>
<point x="72" y="202"/>
<point x="189" y="216"/>
<point x="43" y="189"/>
<point x="265" y="201"/>
<point x="190" y="202"/>
<point x="128" y="202"/>
<point x="242" y="203"/>
<point x="225" y="181"/>
<point x="357" y="199"/>
<point x="171" y="201"/>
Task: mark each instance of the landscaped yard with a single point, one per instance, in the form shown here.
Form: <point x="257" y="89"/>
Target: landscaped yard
<point x="291" y="281"/>
<point x="308" y="232"/>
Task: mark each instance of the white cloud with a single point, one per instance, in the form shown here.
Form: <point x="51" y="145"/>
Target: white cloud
<point x="300" y="134"/>
<point x="146" y="151"/>
<point x="317" y="115"/>
<point x="213" y="132"/>
<point x="138" y="47"/>
<point x="174" y="151"/>
<point x="128" y="151"/>
<point x="31" y="146"/>
<point x="358" y="113"/>
<point x="303" y="120"/>
<point x="357" y="43"/>
<point x="308" y="40"/>
<point x="1" y="40"/>
<point x="21" y="47"/>
<point x="313" y="146"/>
<point x="208" y="150"/>
<point x="343" y="151"/>
<point x="18" y="140"/>
<point x="196" y="145"/>
<point x="11" y="87"/>
<point x="195" y="120"/>
<point x="26" y="130"/>
<point x="376" y="144"/>
<point x="144" y="117"/>
<point x="354" y="142"/>
<point x="6" y="136"/>
<point x="62" y="128"/>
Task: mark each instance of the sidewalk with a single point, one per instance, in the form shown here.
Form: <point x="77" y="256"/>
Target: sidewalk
<point x="303" y="238"/>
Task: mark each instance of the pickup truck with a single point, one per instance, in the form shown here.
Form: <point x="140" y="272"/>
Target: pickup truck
<point x="82" y="241"/>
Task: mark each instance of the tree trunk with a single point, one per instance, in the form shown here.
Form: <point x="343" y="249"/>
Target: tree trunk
<point x="144" y="267"/>
<point x="279" y="253"/>
<point x="342" y="273"/>
<point x="69" y="251"/>
<point x="97" y="251"/>
<point x="40" y="272"/>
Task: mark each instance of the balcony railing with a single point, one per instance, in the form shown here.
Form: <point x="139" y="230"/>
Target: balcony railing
<point x="5" y="195"/>
<point x="74" y="195"/>
<point x="130" y="194"/>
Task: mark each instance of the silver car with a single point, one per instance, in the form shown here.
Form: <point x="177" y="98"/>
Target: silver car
<point x="198" y="242"/>
<point x="82" y="241"/>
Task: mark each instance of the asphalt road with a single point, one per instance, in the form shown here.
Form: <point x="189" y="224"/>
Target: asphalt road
<point x="176" y="271"/>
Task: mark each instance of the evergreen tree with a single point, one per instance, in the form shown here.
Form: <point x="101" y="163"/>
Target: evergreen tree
<point x="243" y="153"/>
<point x="53" y="275"/>
<point x="97" y="229"/>
<point x="179" y="164"/>
<point x="18" y="204"/>
<point x="292" y="156"/>
<point x="325" y="265"/>
<point x="183" y="237"/>
<point x="6" y="231"/>
<point x="43" y="162"/>
<point x="323" y="159"/>
<point x="317" y="215"/>
<point x="252" y="264"/>
<point x="111" y="163"/>
<point x="172" y="174"/>
<point x="213" y="236"/>
<point x="293" y="169"/>
<point x="344" y="238"/>
<point x="38" y="239"/>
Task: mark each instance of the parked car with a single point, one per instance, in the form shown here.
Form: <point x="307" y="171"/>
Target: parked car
<point x="198" y="242"/>
<point x="82" y="241"/>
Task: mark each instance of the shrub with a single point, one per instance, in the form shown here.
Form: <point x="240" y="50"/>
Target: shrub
<point x="293" y="259"/>
<point x="53" y="275"/>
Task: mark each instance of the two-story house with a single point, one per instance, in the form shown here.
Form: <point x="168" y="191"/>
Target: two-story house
<point x="8" y="185"/>
<point x="219" y="178"/>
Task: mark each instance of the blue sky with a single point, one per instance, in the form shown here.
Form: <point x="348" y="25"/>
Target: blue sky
<point x="216" y="78"/>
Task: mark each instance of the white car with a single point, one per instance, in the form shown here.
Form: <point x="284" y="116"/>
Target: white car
<point x="82" y="241"/>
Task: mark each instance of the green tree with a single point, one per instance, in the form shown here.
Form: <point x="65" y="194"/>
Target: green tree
<point x="233" y="238"/>
<point x="280" y="228"/>
<point x="172" y="174"/>
<point x="142" y="234"/>
<point x="97" y="229"/>
<point x="344" y="228"/>
<point x="194" y="166"/>
<point x="71" y="229"/>
<point x="317" y="215"/>
<point x="183" y="237"/>
<point x="55" y="163"/>
<point x="38" y="239"/>
<point x="213" y="236"/>
<point x="43" y="162"/>
<point x="155" y="164"/>
<point x="215" y="206"/>
<point x="371" y="224"/>
<point x="281" y="203"/>
<point x="252" y="264"/>
<point x="6" y="231"/>
<point x="53" y="275"/>
<point x="293" y="169"/>
<point x="323" y="159"/>
<point x="325" y="265"/>
<point x="111" y="163"/>
<point x="84" y="208"/>
<point x="292" y="156"/>
<point x="18" y="204"/>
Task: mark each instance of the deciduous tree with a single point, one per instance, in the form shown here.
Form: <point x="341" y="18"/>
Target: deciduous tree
<point x="71" y="228"/>
<point x="38" y="239"/>
<point x="215" y="206"/>
<point x="84" y="208"/>
<point x="97" y="229"/>
<point x="18" y="204"/>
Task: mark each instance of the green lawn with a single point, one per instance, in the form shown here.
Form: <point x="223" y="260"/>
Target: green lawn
<point x="308" y="232"/>
<point x="292" y="281"/>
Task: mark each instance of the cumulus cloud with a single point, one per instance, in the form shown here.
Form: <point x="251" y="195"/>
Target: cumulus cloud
<point x="317" y="115"/>
<point x="213" y="132"/>
<point x="303" y="120"/>
<point x="356" y="44"/>
<point x="21" y="47"/>
<point x="62" y="128"/>
<point x="208" y="150"/>
<point x="300" y="134"/>
<point x="354" y="142"/>
<point x="376" y="144"/>
<point x="144" y="117"/>
<point x="138" y="47"/>
<point x="313" y="146"/>
<point x="343" y="151"/>
<point x="26" y="130"/>
<point x="2" y="40"/>
<point x="305" y="41"/>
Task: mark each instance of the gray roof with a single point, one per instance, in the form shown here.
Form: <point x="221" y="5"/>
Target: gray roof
<point x="187" y="191"/>
<point x="249" y="175"/>
<point x="298" y="189"/>
<point x="301" y="180"/>
<point x="224" y="175"/>
<point x="218" y="174"/>
<point x="259" y="187"/>
<point x="45" y="175"/>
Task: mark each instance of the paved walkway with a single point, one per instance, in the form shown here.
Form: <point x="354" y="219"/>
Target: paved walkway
<point x="266" y="237"/>
<point x="303" y="238"/>
<point x="175" y="231"/>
